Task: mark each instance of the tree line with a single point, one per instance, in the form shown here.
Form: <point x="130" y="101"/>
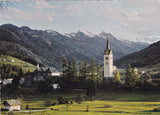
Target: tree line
<point x="10" y="71"/>
<point x="83" y="76"/>
<point x="89" y="77"/>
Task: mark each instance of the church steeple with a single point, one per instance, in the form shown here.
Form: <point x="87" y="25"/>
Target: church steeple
<point x="108" y="61"/>
<point x="107" y="46"/>
<point x="107" y="50"/>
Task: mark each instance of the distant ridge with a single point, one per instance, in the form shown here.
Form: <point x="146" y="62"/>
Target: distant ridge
<point x="50" y="47"/>
<point x="146" y="57"/>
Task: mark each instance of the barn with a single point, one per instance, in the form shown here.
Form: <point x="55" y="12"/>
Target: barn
<point x="12" y="105"/>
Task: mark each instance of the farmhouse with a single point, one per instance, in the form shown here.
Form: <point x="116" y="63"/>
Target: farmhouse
<point x="44" y="72"/>
<point x="12" y="105"/>
<point x="41" y="73"/>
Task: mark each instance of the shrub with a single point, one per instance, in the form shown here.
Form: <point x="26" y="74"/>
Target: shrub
<point x="4" y="109"/>
<point x="48" y="103"/>
<point x="71" y="102"/>
<point x="27" y="107"/>
<point x="79" y="99"/>
<point x="54" y="103"/>
<point x="61" y="100"/>
<point x="44" y="86"/>
<point x="87" y="108"/>
<point x="108" y="105"/>
<point x="156" y="110"/>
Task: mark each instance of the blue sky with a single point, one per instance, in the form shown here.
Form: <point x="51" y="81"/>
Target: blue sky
<point x="123" y="18"/>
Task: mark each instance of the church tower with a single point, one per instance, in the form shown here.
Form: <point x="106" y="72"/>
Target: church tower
<point x="108" y="61"/>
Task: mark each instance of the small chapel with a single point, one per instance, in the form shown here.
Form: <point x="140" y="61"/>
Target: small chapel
<point x="108" y="62"/>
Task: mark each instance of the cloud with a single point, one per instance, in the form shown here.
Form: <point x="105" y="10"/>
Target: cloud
<point x="50" y="17"/>
<point x="73" y="10"/>
<point x="14" y="13"/>
<point x="133" y="16"/>
<point x="43" y="5"/>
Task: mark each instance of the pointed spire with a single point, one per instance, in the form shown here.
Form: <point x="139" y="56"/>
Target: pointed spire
<point x="108" y="47"/>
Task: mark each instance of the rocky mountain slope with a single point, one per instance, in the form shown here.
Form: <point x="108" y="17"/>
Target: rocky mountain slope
<point x="146" y="57"/>
<point x="50" y="47"/>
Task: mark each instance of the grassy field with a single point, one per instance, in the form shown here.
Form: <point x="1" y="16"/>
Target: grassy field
<point x="25" y="65"/>
<point x="108" y="103"/>
<point x="153" y="69"/>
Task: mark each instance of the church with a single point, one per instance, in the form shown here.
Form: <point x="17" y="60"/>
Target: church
<point x="108" y="62"/>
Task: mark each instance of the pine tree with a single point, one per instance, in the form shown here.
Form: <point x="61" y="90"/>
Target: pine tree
<point x="21" y="73"/>
<point x="74" y="67"/>
<point x="85" y="69"/>
<point x="69" y="69"/>
<point x="132" y="78"/>
<point x="64" y="66"/>
<point x="128" y="74"/>
<point x="99" y="72"/>
<point x="81" y="67"/>
<point x="92" y="80"/>
<point x="68" y="79"/>
<point x="92" y="69"/>
<point x="15" y="81"/>
<point x="128" y="70"/>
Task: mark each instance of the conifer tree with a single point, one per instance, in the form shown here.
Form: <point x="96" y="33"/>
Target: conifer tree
<point x="21" y="73"/>
<point x="132" y="78"/>
<point x="69" y="69"/>
<point x="128" y="74"/>
<point x="85" y="69"/>
<point x="128" y="70"/>
<point x="74" y="67"/>
<point x="81" y="67"/>
<point x="92" y="80"/>
<point x="64" y="66"/>
<point x="92" y="69"/>
<point x="99" y="72"/>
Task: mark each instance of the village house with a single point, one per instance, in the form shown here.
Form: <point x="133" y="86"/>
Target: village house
<point x="41" y="73"/>
<point x="12" y="105"/>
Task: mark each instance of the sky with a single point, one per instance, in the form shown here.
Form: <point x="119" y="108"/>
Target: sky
<point x="125" y="19"/>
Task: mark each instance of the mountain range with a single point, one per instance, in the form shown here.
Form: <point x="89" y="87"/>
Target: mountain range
<point x="147" y="57"/>
<point x="50" y="47"/>
<point x="147" y="39"/>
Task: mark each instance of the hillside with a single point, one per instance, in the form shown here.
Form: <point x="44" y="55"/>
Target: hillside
<point x="50" y="47"/>
<point x="146" y="57"/>
<point x="15" y="61"/>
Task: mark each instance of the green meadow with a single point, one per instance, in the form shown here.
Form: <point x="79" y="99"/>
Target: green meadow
<point x="105" y="103"/>
<point x="25" y="65"/>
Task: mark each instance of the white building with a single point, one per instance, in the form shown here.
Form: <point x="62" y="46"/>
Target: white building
<point x="108" y="62"/>
<point x="12" y="104"/>
<point x="7" y="81"/>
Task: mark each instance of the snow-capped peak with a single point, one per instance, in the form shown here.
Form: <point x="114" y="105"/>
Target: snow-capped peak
<point x="79" y="33"/>
<point x="70" y="35"/>
<point x="87" y="33"/>
<point x="147" y="39"/>
<point x="52" y="32"/>
<point x="104" y="34"/>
